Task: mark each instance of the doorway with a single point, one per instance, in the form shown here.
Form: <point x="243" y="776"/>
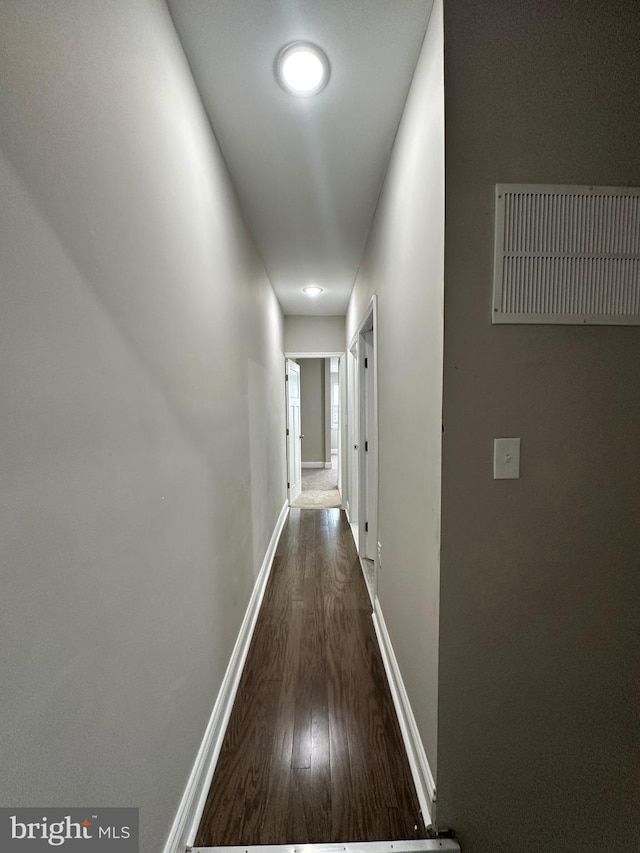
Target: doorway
<point x="314" y="430"/>
<point x="294" y="432"/>
<point x="362" y="416"/>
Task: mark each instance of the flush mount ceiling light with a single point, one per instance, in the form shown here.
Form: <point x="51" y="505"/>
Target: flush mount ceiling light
<point x="312" y="290"/>
<point x="302" y="68"/>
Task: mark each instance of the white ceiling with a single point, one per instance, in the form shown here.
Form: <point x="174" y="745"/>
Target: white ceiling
<point x="307" y="170"/>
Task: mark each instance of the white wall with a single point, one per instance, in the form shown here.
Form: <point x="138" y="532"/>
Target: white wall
<point x="334" y="432"/>
<point x="142" y="406"/>
<point x="313" y="334"/>
<point x="403" y="264"/>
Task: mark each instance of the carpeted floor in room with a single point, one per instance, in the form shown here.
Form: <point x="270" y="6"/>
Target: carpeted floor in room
<point x="319" y="488"/>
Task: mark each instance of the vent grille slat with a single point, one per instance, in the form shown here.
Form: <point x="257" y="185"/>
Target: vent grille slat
<point x="561" y="224"/>
<point x="567" y="255"/>
<point x="571" y="286"/>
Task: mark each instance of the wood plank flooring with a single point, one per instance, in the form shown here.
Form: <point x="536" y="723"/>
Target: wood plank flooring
<point x="313" y="751"/>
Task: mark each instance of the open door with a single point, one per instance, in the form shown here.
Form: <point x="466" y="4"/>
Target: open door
<point x="363" y="445"/>
<point x="369" y="447"/>
<point x="294" y="446"/>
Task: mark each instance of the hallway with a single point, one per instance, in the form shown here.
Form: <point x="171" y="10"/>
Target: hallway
<point x="176" y="226"/>
<point x="313" y="751"/>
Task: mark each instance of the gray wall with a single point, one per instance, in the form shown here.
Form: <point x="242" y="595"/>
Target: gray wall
<point x="403" y="264"/>
<point x="142" y="448"/>
<point x="312" y="409"/>
<point x="314" y="334"/>
<point x="539" y="694"/>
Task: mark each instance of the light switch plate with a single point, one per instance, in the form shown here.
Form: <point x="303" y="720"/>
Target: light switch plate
<point x="506" y="458"/>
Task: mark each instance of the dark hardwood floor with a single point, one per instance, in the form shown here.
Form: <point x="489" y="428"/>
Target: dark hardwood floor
<point x="313" y="751"/>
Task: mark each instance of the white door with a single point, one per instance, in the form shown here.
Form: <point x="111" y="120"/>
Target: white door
<point x="369" y="448"/>
<point x="294" y="446"/>
<point x="353" y="437"/>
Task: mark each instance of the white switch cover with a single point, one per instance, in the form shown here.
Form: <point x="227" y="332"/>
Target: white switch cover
<point x="506" y="458"/>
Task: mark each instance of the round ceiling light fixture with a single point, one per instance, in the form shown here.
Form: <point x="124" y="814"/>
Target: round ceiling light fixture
<point x="302" y="68"/>
<point x="312" y="290"/>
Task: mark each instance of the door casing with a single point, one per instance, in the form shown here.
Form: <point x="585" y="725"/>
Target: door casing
<point x="363" y="434"/>
<point x="342" y="439"/>
<point x="294" y="443"/>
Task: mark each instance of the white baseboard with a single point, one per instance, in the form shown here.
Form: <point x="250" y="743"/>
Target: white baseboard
<point x="422" y="776"/>
<point x="424" y="845"/>
<point x="354" y="532"/>
<point x="314" y="465"/>
<point x="185" y="824"/>
<point x="328" y="465"/>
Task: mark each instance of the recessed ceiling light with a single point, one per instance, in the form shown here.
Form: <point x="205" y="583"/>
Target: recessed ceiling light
<point x="312" y="290"/>
<point x="302" y="68"/>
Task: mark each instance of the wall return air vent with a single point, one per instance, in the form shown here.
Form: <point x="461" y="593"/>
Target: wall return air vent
<point x="566" y="254"/>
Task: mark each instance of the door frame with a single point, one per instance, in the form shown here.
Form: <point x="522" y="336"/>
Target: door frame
<point x="342" y="432"/>
<point x="363" y="399"/>
<point x="292" y="440"/>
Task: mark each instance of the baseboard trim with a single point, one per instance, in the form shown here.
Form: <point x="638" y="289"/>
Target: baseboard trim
<point x="425" y="845"/>
<point x="422" y="776"/>
<point x="185" y="824"/>
<point x="314" y="465"/>
<point x="354" y="532"/>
